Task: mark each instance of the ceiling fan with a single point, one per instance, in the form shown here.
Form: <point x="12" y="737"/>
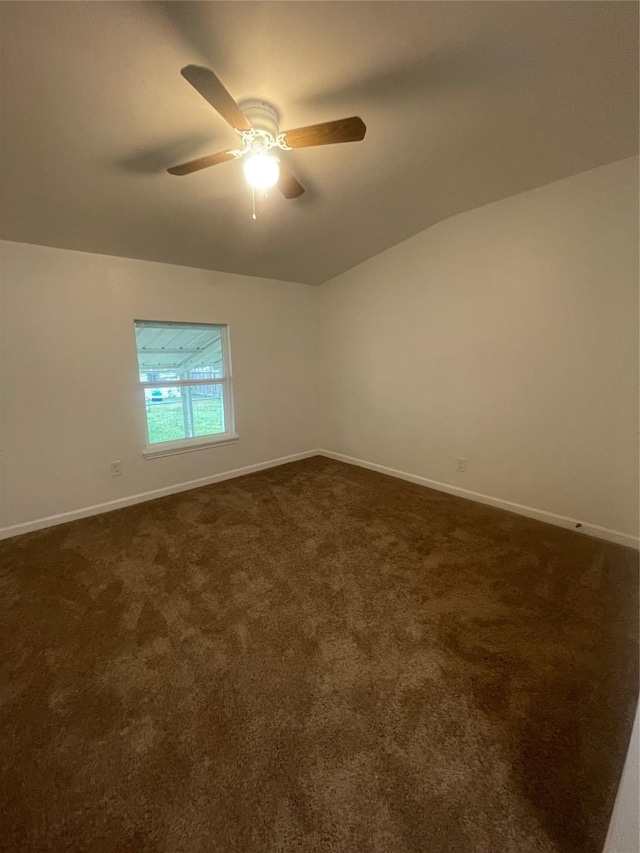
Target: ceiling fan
<point x="256" y="123"/>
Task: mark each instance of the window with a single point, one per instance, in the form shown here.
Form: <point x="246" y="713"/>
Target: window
<point x="186" y="385"/>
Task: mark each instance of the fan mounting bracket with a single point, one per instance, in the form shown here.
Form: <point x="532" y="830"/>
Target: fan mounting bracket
<point x="265" y="131"/>
<point x="262" y="115"/>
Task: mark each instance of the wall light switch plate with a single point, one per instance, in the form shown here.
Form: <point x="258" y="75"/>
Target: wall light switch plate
<point x="116" y="468"/>
<point x="462" y="464"/>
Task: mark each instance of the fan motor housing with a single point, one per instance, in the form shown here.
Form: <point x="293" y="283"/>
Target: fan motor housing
<point x="263" y="116"/>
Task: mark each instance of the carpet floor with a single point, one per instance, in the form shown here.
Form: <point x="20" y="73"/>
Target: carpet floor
<point x="314" y="658"/>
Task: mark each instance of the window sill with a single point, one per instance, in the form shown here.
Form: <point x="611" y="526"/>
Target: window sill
<point x="170" y="448"/>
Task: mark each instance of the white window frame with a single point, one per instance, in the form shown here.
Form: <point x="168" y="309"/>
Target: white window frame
<point x="200" y="442"/>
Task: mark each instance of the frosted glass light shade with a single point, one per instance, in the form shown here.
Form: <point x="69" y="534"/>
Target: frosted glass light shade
<point x="261" y="171"/>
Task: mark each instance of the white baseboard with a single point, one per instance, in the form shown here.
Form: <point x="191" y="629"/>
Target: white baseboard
<point x="120" y="503"/>
<point x="530" y="512"/>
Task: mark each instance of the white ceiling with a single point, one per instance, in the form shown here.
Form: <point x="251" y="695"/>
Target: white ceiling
<point x="465" y="103"/>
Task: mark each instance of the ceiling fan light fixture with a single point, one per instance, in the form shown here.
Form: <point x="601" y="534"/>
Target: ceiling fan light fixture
<point x="261" y="171"/>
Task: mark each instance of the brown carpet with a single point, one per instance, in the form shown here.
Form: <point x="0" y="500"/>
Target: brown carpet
<point x="314" y="658"/>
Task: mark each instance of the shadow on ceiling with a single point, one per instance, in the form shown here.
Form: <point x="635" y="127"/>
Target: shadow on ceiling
<point x="156" y="159"/>
<point x="190" y="21"/>
<point x="463" y="66"/>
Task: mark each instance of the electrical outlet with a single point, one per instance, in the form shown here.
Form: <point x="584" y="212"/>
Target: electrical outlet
<point x="116" y="468"/>
<point x="462" y="464"/>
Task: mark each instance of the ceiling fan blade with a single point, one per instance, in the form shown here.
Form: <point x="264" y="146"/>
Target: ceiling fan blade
<point x="201" y="163"/>
<point x="288" y="185"/>
<point x="207" y="84"/>
<point x="343" y="130"/>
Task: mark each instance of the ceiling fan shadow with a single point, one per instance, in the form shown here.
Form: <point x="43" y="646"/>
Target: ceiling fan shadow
<point x="152" y="161"/>
<point x="464" y="66"/>
<point x="193" y="23"/>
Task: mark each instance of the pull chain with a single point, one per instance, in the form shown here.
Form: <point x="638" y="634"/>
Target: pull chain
<point x="253" y="199"/>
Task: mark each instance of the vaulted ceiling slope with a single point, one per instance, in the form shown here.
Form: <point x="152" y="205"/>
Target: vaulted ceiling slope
<point x="465" y="103"/>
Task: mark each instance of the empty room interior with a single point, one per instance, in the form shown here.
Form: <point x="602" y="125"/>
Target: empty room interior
<point x="319" y="427"/>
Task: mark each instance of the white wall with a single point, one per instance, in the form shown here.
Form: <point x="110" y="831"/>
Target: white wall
<point x="71" y="402"/>
<point x="624" y="831"/>
<point x="507" y="335"/>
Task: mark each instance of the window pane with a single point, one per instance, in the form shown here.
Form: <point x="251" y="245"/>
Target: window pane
<point x="208" y="410"/>
<point x="169" y="351"/>
<point x="177" y="413"/>
<point x="183" y="352"/>
<point x="156" y="375"/>
<point x="165" y="414"/>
